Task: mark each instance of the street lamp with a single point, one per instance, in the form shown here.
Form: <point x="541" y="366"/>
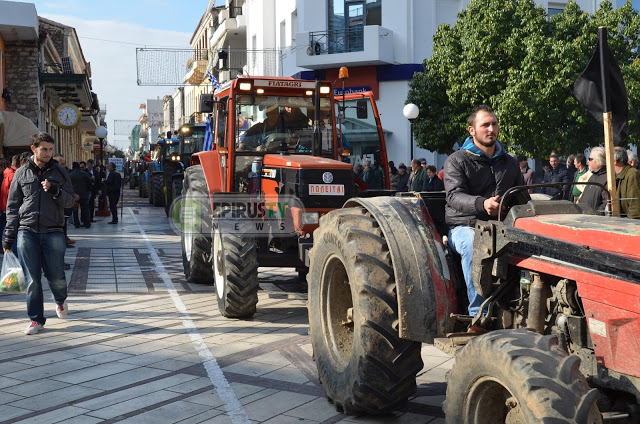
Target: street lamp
<point x="411" y="112"/>
<point x="101" y="133"/>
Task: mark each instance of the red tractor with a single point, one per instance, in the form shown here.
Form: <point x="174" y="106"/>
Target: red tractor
<point x="562" y="311"/>
<point x="279" y="161"/>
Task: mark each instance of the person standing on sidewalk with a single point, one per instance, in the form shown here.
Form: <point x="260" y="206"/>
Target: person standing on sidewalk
<point x="40" y="192"/>
<point x="81" y="185"/>
<point x="4" y="193"/>
<point x="113" y="183"/>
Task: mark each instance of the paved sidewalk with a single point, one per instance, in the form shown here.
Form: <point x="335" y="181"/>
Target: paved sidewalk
<point x="141" y="345"/>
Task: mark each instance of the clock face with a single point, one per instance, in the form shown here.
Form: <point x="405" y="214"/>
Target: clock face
<point x="67" y="116"/>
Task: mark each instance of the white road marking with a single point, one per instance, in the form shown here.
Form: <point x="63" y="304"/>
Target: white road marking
<point x="232" y="405"/>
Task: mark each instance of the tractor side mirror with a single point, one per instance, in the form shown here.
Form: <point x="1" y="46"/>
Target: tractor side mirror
<point x="206" y="103"/>
<point x="361" y="109"/>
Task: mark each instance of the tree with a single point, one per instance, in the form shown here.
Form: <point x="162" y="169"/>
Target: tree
<point x="511" y="56"/>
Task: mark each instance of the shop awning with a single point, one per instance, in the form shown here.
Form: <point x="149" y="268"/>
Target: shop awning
<point x="15" y="130"/>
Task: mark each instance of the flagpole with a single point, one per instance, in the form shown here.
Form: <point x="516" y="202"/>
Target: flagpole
<point x="607" y="121"/>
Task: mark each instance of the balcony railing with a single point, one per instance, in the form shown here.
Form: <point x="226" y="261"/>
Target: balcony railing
<point x="336" y="41"/>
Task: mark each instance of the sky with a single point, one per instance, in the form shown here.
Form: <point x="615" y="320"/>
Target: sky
<point x="110" y="31"/>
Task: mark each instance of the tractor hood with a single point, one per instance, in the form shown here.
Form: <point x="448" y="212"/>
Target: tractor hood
<point x="304" y="162"/>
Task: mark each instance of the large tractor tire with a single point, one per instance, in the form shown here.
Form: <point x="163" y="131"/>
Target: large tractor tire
<point x="235" y="270"/>
<point x="150" y="189"/>
<point x="132" y="181"/>
<point x="174" y="191"/>
<point x="518" y="376"/>
<point x="196" y="239"/>
<point x="158" y="189"/>
<point x="362" y="363"/>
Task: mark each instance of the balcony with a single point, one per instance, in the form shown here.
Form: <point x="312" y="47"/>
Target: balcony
<point x="197" y="67"/>
<point x="229" y="19"/>
<point x="369" y="45"/>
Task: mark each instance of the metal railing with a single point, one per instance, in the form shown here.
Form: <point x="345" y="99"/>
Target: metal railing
<point x="337" y="41"/>
<point x="252" y="62"/>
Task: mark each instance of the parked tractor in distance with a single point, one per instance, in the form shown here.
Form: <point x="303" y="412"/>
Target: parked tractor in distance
<point x="562" y="311"/>
<point x="276" y="166"/>
<point x="190" y="139"/>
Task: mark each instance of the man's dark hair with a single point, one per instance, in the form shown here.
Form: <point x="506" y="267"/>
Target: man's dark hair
<point x="90" y="161"/>
<point x="581" y="159"/>
<point x="521" y="158"/>
<point x="75" y="165"/>
<point x="112" y="165"/>
<point x="480" y="108"/>
<point x="24" y="157"/>
<point x="553" y="155"/>
<point x="15" y="161"/>
<point x="416" y="162"/>
<point x="40" y="137"/>
<point x="82" y="163"/>
<point x="432" y="169"/>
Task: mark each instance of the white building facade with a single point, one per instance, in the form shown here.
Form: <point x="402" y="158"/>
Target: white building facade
<point x="382" y="42"/>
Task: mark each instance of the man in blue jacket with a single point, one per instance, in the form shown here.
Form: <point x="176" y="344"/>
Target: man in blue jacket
<point x="476" y="176"/>
<point x="39" y="193"/>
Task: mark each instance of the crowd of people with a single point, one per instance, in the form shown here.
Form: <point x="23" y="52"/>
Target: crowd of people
<point x="38" y="195"/>
<point x="576" y="168"/>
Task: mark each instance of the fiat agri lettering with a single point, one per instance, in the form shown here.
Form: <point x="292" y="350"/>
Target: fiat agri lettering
<point x="326" y="189"/>
<point x="285" y="84"/>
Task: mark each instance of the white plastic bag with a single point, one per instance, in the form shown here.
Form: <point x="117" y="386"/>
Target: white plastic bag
<point x="12" y="275"/>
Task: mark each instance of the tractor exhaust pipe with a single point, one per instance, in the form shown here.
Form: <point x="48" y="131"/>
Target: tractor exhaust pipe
<point x="538" y="294"/>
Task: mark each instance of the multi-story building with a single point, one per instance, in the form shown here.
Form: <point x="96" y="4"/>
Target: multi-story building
<point x="42" y="68"/>
<point x="151" y="121"/>
<point x="383" y="43"/>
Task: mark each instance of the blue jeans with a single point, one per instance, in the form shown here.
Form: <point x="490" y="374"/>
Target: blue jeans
<point x="38" y="252"/>
<point x="461" y="241"/>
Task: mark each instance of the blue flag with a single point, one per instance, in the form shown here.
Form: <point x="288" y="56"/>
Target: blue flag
<point x="208" y="136"/>
<point x="214" y="81"/>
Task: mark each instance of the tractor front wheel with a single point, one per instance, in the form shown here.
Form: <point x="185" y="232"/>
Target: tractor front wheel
<point x="235" y="269"/>
<point x="363" y="364"/>
<point x="518" y="376"/>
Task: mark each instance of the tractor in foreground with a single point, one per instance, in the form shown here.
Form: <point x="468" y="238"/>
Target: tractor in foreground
<point x="562" y="311"/>
<point x="276" y="166"/>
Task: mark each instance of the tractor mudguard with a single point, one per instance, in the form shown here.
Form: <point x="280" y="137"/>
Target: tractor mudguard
<point x="424" y="288"/>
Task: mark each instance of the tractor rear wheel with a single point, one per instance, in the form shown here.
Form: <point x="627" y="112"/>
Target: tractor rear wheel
<point x="518" y="376"/>
<point x="235" y="270"/>
<point x="196" y="234"/>
<point x="132" y="181"/>
<point x="362" y="363"/>
<point x="150" y="187"/>
<point x="158" y="189"/>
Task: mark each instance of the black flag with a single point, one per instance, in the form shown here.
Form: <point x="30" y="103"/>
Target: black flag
<point x="588" y="91"/>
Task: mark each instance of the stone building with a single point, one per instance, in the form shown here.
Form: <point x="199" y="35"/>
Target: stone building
<point x="42" y="67"/>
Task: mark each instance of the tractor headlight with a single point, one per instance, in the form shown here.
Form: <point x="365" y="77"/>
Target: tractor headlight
<point x="310" y="218"/>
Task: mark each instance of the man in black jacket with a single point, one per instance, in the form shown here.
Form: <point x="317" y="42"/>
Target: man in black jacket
<point x="113" y="183"/>
<point x="476" y="176"/>
<point x="557" y="174"/>
<point x="81" y="185"/>
<point x="593" y="195"/>
<point x="40" y="191"/>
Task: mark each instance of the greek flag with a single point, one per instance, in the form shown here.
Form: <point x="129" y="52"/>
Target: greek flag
<point x="208" y="136"/>
<point x="214" y="81"/>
